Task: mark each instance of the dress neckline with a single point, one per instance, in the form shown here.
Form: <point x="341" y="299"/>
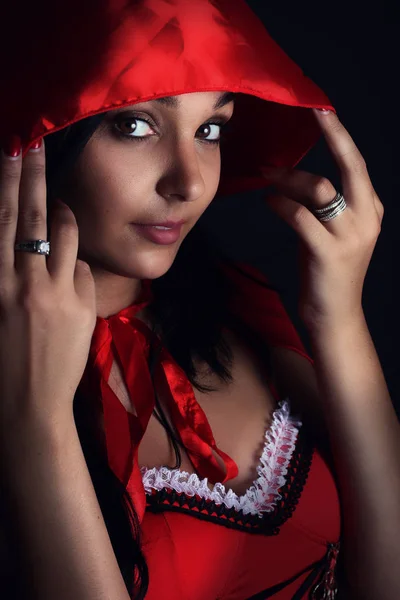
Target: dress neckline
<point x="262" y="495"/>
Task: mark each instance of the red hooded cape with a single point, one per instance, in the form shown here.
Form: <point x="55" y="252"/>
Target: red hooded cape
<point x="65" y="61"/>
<point x="72" y="60"/>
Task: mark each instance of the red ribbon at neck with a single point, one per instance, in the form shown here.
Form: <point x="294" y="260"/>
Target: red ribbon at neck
<point x="127" y="339"/>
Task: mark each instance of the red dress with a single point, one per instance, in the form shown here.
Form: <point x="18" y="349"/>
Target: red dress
<point x="279" y="539"/>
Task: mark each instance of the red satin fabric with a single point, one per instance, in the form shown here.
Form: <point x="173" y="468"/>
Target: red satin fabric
<point x="63" y="70"/>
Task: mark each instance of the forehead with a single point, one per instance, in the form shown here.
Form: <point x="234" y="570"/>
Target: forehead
<point x="175" y="102"/>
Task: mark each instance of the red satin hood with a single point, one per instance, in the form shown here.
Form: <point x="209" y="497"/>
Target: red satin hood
<point x="63" y="61"/>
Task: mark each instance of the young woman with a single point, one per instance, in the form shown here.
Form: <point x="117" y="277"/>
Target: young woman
<point x="164" y="433"/>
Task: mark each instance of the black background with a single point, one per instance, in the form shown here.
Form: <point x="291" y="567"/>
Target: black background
<point x="352" y="52"/>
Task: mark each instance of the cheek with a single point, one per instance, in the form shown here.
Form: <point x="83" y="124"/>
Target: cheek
<point x="111" y="187"/>
<point x="113" y="184"/>
<point x="214" y="170"/>
<point x="211" y="175"/>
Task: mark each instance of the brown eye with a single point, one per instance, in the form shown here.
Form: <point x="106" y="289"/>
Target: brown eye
<point x="208" y="130"/>
<point x="128" y="125"/>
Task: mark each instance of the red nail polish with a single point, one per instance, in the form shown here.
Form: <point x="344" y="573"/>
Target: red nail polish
<point x="36" y="145"/>
<point x="12" y="147"/>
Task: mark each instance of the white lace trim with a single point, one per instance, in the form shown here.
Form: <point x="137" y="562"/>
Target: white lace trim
<point x="263" y="493"/>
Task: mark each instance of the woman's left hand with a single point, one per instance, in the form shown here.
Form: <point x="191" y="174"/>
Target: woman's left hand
<point x="334" y="255"/>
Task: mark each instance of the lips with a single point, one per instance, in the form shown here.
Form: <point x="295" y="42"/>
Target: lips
<point x="170" y="224"/>
<point x="167" y="236"/>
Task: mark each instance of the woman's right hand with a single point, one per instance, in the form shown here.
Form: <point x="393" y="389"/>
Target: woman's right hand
<point x="47" y="304"/>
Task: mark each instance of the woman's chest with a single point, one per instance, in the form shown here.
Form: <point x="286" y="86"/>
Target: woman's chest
<point x="238" y="413"/>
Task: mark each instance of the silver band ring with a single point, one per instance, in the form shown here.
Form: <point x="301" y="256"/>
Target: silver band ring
<point x="34" y="246"/>
<point x="334" y="208"/>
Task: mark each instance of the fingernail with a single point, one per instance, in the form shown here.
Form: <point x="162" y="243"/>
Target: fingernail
<point x="324" y="111"/>
<point x="36" y="145"/>
<point x="12" y="148"/>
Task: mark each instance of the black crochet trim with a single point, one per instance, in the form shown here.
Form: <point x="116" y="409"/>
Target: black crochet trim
<point x="270" y="522"/>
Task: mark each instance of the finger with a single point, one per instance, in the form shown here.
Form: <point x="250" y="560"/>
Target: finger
<point x="314" y="191"/>
<point x="32" y="219"/>
<point x="346" y="154"/>
<point x="64" y="240"/>
<point x="10" y="174"/>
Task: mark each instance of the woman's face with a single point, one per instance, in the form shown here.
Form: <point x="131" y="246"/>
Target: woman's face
<point x="134" y="172"/>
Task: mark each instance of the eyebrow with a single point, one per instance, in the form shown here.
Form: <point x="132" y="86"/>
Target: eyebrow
<point x="174" y="102"/>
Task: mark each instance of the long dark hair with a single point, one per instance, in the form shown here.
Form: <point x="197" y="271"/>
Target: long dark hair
<point x="188" y="312"/>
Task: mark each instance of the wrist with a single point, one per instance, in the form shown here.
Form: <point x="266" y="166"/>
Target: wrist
<point x="31" y="438"/>
<point x="335" y="326"/>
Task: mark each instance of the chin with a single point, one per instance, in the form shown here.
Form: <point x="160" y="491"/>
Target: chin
<point x="154" y="265"/>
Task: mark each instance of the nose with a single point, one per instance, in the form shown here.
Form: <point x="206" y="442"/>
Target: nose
<point x="182" y="178"/>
